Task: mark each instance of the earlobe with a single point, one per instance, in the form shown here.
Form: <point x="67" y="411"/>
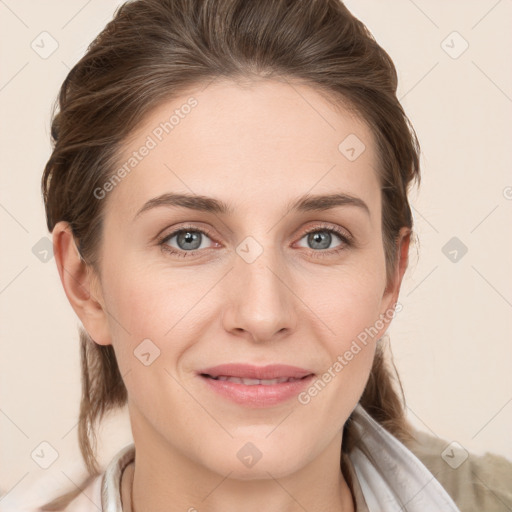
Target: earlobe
<point x="402" y="254"/>
<point x="80" y="284"/>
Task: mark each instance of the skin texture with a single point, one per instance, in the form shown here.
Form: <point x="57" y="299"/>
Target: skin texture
<point x="258" y="147"/>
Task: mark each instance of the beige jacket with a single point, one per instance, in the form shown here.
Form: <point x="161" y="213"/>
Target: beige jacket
<point x="478" y="484"/>
<point x="429" y="475"/>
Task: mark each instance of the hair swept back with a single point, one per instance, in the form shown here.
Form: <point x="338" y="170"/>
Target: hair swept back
<point x="152" y="51"/>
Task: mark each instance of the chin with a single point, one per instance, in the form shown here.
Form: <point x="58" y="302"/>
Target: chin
<point x="248" y="462"/>
<point x="260" y="471"/>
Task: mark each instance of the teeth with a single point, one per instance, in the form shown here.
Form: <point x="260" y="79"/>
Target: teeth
<point x="255" y="382"/>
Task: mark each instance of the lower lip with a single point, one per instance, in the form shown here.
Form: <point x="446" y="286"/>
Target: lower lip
<point x="258" y="395"/>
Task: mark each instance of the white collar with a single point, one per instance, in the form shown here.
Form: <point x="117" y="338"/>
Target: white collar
<point x="394" y="481"/>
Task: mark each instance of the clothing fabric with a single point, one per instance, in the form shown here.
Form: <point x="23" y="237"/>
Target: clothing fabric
<point x="392" y="479"/>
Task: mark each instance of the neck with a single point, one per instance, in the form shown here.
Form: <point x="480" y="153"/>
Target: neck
<point x="228" y="495"/>
<point x="164" y="480"/>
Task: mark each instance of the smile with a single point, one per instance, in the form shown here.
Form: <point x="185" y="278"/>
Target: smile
<point x="254" y="382"/>
<point x="256" y="386"/>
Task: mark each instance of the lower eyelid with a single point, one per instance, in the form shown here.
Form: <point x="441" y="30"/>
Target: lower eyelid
<point x="164" y="241"/>
<point x="345" y="240"/>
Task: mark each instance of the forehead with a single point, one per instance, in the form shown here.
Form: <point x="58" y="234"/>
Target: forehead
<point x="246" y="141"/>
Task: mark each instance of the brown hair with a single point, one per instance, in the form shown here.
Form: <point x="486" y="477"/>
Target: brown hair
<point x="153" y="50"/>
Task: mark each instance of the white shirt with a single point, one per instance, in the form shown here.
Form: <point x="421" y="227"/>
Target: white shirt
<point x="394" y="480"/>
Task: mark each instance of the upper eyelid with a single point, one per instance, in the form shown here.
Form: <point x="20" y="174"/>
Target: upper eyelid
<point x="341" y="232"/>
<point x="344" y="236"/>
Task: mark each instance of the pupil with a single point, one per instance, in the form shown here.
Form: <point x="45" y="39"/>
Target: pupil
<point x="320" y="240"/>
<point x="190" y="239"/>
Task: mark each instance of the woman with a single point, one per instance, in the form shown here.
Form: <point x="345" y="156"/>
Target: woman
<point x="228" y="201"/>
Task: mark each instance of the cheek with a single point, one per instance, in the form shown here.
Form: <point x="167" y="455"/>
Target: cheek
<point x="350" y="313"/>
<point x="347" y="300"/>
<point x="156" y="316"/>
<point x="153" y="322"/>
<point x="348" y="305"/>
<point x="147" y="302"/>
<point x="352" y="346"/>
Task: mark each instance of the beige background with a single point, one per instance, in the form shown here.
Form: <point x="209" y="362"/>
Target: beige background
<point x="452" y="341"/>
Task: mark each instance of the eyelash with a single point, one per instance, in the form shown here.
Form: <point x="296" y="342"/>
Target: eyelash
<point x="345" y="238"/>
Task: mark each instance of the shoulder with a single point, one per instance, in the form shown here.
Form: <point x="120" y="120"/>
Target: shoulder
<point x="85" y="497"/>
<point x="88" y="499"/>
<point x="97" y="491"/>
<point x="46" y="494"/>
<point x="475" y="482"/>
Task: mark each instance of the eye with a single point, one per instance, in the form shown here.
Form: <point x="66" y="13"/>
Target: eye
<point x="185" y="241"/>
<point x="189" y="241"/>
<point x="323" y="238"/>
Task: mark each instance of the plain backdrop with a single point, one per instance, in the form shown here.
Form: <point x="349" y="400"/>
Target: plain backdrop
<point x="452" y="340"/>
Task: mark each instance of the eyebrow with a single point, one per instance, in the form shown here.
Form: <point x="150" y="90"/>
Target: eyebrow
<point x="209" y="204"/>
<point x="326" y="202"/>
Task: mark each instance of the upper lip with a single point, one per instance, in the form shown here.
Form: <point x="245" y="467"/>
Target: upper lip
<point x="248" y="371"/>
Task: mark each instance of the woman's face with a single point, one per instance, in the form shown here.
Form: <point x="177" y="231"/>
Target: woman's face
<point x="248" y="232"/>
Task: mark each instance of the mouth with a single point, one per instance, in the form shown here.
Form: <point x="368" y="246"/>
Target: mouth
<point x="253" y="382"/>
<point x="255" y="386"/>
<point x="251" y="375"/>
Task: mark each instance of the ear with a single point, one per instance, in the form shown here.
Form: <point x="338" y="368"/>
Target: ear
<point x="81" y="284"/>
<point x="392" y="290"/>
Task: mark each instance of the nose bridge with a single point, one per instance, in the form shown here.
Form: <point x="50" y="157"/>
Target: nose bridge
<point x="261" y="302"/>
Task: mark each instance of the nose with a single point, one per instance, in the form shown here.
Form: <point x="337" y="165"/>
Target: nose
<point x="261" y="305"/>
